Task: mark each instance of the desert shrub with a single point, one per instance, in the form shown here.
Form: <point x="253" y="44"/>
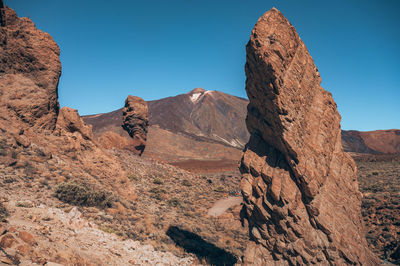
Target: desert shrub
<point x="219" y="189"/>
<point x="133" y="177"/>
<point x="374" y="173"/>
<point x="374" y="188"/>
<point x="3" y="147"/>
<point x="111" y="230"/>
<point x="3" y="213"/>
<point x="83" y="194"/>
<point x="174" y="202"/>
<point x="186" y="183"/>
<point x="158" y="181"/>
<point x="157" y="193"/>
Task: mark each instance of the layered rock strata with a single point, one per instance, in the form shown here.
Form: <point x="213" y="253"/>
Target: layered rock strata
<point x="300" y="189"/>
<point x="136" y="122"/>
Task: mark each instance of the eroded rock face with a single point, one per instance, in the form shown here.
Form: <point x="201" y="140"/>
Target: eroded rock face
<point x="300" y="189"/>
<point x="136" y="122"/>
<point x="29" y="71"/>
<point x="70" y="121"/>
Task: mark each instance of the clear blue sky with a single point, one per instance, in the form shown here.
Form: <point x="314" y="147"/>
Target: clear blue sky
<point x="155" y="49"/>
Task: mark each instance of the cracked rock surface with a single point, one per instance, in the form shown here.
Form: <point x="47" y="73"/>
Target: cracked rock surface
<point x="300" y="189"/>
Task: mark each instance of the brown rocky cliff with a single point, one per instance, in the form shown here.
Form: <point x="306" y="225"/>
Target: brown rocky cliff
<point x="30" y="65"/>
<point x="136" y="122"/>
<point x="300" y="189"/>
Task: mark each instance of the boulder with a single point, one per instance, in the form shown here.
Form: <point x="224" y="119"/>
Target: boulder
<point x="300" y="189"/>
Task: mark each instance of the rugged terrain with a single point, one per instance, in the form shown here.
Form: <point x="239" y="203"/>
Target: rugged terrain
<point x="66" y="199"/>
<point x="208" y="128"/>
<point x="197" y="126"/>
<point x="77" y="194"/>
<point x="379" y="181"/>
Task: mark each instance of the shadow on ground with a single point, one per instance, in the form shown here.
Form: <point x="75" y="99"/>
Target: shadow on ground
<point x="204" y="250"/>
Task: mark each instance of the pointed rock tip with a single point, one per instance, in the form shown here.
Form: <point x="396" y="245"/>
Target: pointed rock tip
<point x="197" y="90"/>
<point x="132" y="98"/>
<point x="273" y="10"/>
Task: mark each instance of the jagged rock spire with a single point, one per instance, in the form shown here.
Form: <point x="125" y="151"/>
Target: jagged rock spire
<point x="300" y="189"/>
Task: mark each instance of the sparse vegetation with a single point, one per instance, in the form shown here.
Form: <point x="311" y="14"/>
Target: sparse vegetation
<point x="379" y="181"/>
<point x="82" y="194"/>
<point x="133" y="177"/>
<point x="24" y="204"/>
<point x="3" y="213"/>
<point x="219" y="189"/>
<point x="111" y="230"/>
<point x="158" y="181"/>
<point x="186" y="183"/>
<point x="174" y="202"/>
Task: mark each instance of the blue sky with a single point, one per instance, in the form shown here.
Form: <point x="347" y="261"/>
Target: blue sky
<point x="155" y="49"/>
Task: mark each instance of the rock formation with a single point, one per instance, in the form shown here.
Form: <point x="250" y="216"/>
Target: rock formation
<point x="70" y="121"/>
<point x="136" y="122"/>
<point x="300" y="189"/>
<point x="30" y="65"/>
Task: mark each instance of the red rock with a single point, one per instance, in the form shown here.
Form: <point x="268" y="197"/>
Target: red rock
<point x="27" y="237"/>
<point x="7" y="241"/>
<point x="30" y="69"/>
<point x="24" y="249"/>
<point x="300" y="189"/>
<point x="70" y="121"/>
<point x="6" y="260"/>
<point x="136" y="122"/>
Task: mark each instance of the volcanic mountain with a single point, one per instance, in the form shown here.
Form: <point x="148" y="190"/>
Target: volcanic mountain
<point x="198" y="125"/>
<point x="210" y="125"/>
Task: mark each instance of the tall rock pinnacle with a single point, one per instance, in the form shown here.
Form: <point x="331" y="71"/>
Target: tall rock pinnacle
<point x="136" y="122"/>
<point x="300" y="189"/>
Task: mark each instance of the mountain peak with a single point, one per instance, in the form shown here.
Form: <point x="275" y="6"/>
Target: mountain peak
<point x="197" y="93"/>
<point x="196" y="90"/>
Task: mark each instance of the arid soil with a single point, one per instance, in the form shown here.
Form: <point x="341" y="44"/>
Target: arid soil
<point x="207" y="166"/>
<point x="379" y="181"/>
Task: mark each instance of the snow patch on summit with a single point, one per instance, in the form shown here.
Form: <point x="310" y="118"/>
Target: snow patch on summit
<point x="195" y="97"/>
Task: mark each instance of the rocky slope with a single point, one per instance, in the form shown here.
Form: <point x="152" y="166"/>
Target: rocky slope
<point x="372" y="142"/>
<point x="50" y="161"/>
<point x="200" y="125"/>
<point x="203" y="115"/>
<point x="210" y="125"/>
<point x="211" y="115"/>
<point x="300" y="189"/>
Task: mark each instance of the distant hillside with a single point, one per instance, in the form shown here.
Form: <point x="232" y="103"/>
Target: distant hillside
<point x="372" y="142"/>
<point x="198" y="125"/>
<point x="210" y="125"/>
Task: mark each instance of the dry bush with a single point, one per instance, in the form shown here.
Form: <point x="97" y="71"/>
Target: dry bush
<point x="3" y="213"/>
<point x="83" y="194"/>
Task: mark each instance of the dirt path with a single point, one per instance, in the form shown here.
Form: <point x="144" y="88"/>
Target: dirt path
<point x="222" y="205"/>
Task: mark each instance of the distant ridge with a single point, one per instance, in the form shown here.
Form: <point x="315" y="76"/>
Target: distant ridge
<point x="211" y="124"/>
